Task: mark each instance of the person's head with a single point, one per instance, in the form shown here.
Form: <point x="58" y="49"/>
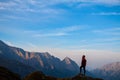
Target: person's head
<point x="83" y="56"/>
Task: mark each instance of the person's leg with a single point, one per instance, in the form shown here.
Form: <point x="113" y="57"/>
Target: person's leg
<point x="80" y="69"/>
<point x="84" y="70"/>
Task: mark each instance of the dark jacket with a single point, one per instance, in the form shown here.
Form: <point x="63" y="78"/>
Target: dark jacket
<point x="83" y="63"/>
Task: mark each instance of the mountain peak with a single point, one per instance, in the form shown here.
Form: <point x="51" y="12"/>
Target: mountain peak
<point x="46" y="54"/>
<point x="67" y="60"/>
<point x="2" y="43"/>
<point x="67" y="57"/>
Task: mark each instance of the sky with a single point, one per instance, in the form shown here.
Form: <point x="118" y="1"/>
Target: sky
<point x="64" y="28"/>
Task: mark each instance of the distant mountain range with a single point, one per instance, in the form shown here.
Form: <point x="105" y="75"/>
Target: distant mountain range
<point x="108" y="72"/>
<point x="24" y="62"/>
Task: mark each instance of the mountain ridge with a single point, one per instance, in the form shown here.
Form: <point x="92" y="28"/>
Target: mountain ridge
<point x="42" y="61"/>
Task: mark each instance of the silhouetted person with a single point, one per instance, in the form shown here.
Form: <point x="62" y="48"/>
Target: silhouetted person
<point x="83" y="64"/>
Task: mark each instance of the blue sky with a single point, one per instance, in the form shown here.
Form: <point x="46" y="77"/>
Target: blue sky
<point x="62" y="27"/>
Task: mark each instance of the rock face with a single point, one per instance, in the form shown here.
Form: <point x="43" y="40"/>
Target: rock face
<point x="5" y="74"/>
<point x="109" y="72"/>
<point x="24" y="62"/>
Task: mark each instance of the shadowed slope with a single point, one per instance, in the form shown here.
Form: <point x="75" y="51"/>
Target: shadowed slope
<point x="40" y="76"/>
<point x="5" y="74"/>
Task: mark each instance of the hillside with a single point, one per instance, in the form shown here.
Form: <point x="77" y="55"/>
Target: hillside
<point x="40" y="76"/>
<point x="109" y="71"/>
<point x="16" y="66"/>
<point x="6" y="74"/>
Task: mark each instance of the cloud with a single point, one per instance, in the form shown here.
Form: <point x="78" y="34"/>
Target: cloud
<point x="50" y="35"/>
<point x="28" y="6"/>
<point x="109" y="31"/>
<point x="41" y="5"/>
<point x="105" y="2"/>
<point x="28" y="10"/>
<point x="107" y="13"/>
<point x="12" y="31"/>
<point x="108" y="39"/>
<point x="14" y="17"/>
<point x="57" y="32"/>
<point x="71" y="28"/>
<point x="80" y="2"/>
<point x="7" y="4"/>
<point x="23" y="9"/>
<point x="3" y="20"/>
<point x="43" y="8"/>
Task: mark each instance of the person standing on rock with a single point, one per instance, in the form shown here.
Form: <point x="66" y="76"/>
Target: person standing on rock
<point x="83" y="64"/>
